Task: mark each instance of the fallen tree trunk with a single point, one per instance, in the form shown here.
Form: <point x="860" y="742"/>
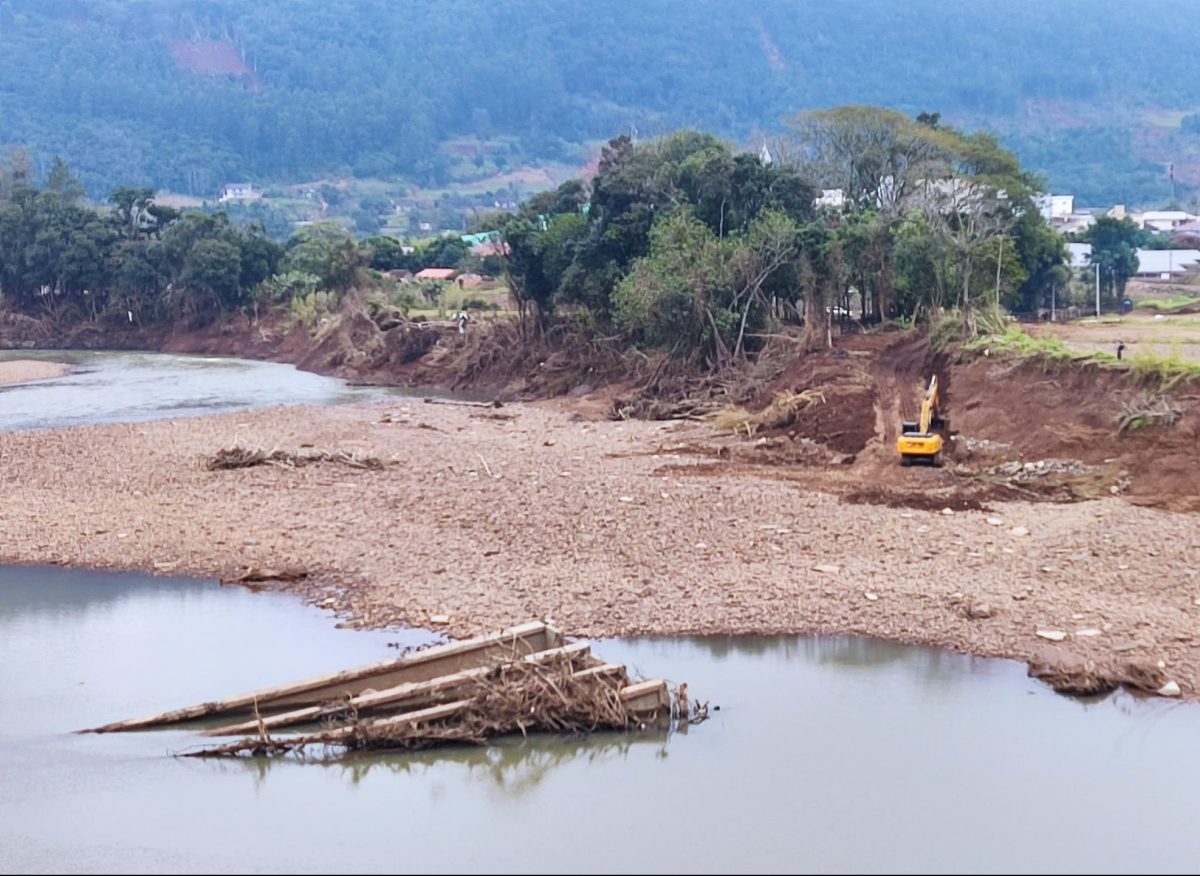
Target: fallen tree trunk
<point x="423" y="665"/>
<point x="518" y="697"/>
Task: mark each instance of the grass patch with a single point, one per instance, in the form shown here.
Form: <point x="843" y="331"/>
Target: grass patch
<point x="1169" y="303"/>
<point x="1164" y="369"/>
<point x="1014" y="341"/>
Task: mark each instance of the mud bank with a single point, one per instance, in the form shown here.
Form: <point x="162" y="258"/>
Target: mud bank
<point x="27" y="370"/>
<point x="480" y="518"/>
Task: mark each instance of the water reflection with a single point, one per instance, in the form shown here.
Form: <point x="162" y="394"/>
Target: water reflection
<point x="512" y="767"/>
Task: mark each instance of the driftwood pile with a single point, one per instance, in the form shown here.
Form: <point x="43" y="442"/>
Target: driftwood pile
<point x="525" y="679"/>
<point x="247" y="457"/>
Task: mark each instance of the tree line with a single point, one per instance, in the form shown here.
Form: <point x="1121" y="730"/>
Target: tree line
<point x="693" y="248"/>
<point x="136" y="261"/>
<point x="680" y="243"/>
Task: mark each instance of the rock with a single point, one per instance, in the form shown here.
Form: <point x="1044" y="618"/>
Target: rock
<point x="439" y="618"/>
<point x="995" y="521"/>
<point x="1052" y="635"/>
<point x="626" y="499"/>
<point x="700" y="546"/>
<point x="981" y="610"/>
<point x="1170" y="689"/>
<point x="947" y="511"/>
<point x="1019" y="530"/>
<point x="827" y="568"/>
<point x="1087" y="632"/>
<point x="871" y="597"/>
<point x="249" y="542"/>
<point x="549" y="442"/>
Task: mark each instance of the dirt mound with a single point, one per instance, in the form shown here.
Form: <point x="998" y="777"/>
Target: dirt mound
<point x="1072" y="674"/>
<point x="858" y="377"/>
<point x="961" y="497"/>
<point x="1075" y="413"/>
<point x="1016" y="430"/>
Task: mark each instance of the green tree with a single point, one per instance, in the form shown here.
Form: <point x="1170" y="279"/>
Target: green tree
<point x="1114" y="248"/>
<point x="62" y="183"/>
<point x="327" y="251"/>
<point x="213" y="270"/>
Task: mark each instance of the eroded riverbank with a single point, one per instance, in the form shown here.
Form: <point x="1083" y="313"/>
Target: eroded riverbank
<point x="490" y="517"/>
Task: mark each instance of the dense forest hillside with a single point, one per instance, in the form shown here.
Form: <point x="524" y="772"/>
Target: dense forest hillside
<point x="190" y="94"/>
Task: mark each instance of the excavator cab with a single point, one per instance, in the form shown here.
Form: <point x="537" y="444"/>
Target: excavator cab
<point x="922" y="439"/>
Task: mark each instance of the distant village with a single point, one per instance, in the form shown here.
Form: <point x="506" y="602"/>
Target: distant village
<point x="1177" y="228"/>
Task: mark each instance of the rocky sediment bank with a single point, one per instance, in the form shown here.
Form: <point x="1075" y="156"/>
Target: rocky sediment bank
<point x="26" y="370"/>
<point x="478" y="518"/>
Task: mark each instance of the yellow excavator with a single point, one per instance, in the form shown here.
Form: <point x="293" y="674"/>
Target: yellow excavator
<point x="922" y="440"/>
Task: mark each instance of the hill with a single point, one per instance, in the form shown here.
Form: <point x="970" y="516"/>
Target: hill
<point x="190" y="94"/>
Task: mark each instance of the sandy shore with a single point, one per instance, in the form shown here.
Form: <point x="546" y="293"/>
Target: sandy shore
<point x="495" y="517"/>
<point x="26" y="370"/>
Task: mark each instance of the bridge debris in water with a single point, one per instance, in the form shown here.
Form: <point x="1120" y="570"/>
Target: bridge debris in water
<point x="523" y="679"/>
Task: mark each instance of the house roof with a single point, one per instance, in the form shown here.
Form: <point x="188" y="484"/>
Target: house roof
<point x="1167" y="261"/>
<point x="481" y="237"/>
<point x="1150" y="261"/>
<point x="1166" y="216"/>
<point x="489" y="249"/>
<point x="436" y="274"/>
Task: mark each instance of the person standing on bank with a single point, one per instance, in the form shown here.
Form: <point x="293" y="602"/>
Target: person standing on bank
<point x="1120" y="349"/>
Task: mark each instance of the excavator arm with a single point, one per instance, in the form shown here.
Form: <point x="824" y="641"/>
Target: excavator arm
<point x="929" y="406"/>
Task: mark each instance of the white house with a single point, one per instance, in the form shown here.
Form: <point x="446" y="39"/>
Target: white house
<point x="1153" y="264"/>
<point x="240" y="192"/>
<point x="1055" y="206"/>
<point x="1162" y="220"/>
<point x="835" y="198"/>
<point x="1080" y="253"/>
<point x="1167" y="264"/>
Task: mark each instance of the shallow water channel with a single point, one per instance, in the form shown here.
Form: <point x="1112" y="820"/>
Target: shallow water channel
<point x="106" y="387"/>
<point x="827" y="754"/>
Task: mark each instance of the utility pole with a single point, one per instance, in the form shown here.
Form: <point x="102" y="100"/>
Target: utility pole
<point x="1053" y="287"/>
<point x="999" y="261"/>
<point x="1097" y="290"/>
